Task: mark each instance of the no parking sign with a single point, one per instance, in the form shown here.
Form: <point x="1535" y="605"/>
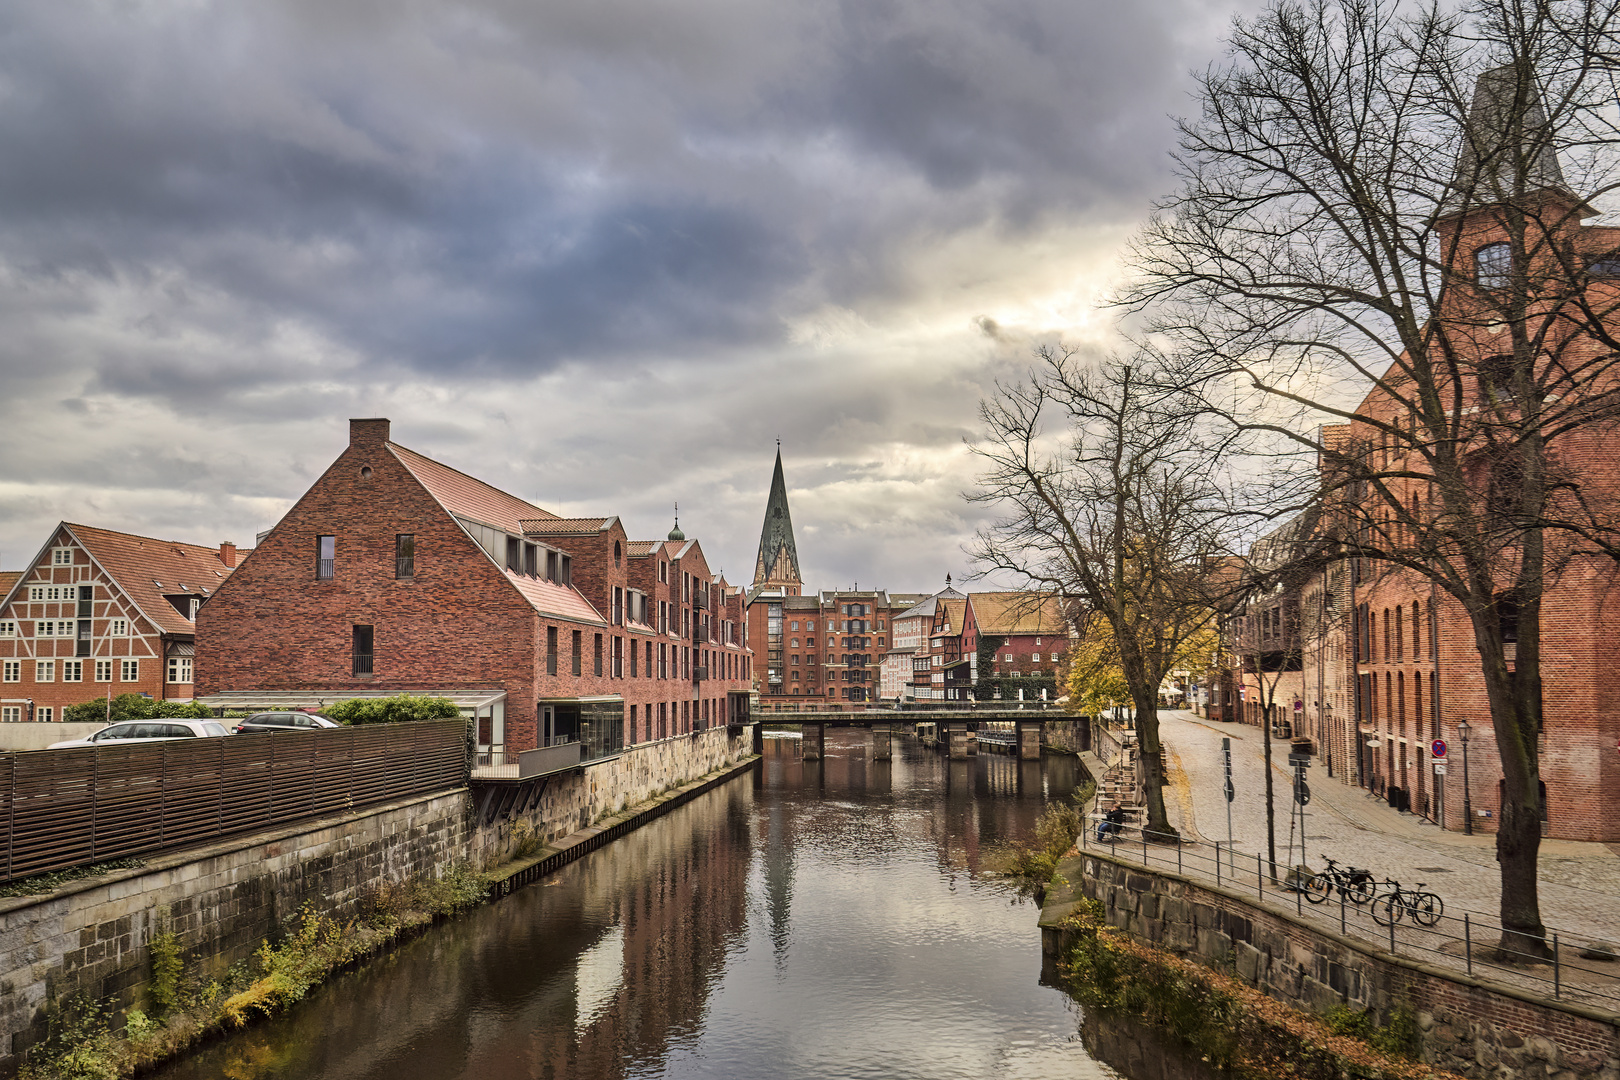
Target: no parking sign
<point x="1438" y="748"/>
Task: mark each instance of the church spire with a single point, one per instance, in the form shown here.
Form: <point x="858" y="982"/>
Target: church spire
<point x="778" y="561"/>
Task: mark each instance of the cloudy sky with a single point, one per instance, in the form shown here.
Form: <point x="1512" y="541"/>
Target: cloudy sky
<point x="600" y="253"/>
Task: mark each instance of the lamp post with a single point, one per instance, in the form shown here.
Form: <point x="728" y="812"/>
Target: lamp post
<point x="1463" y="727"/>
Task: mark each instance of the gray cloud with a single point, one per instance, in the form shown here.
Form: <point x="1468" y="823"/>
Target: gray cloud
<point x="568" y="245"/>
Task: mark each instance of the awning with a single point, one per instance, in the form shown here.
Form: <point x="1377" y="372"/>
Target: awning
<point x="470" y="702"/>
<point x="181" y="648"/>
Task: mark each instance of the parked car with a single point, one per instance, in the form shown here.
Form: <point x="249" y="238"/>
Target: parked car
<point x="283" y="721"/>
<point x="128" y="731"/>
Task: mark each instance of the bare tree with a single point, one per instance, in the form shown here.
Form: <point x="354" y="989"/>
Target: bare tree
<point x="1114" y="510"/>
<point x="1383" y="204"/>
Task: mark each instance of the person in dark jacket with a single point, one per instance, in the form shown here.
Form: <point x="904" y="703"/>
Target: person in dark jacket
<point x="1112" y="823"/>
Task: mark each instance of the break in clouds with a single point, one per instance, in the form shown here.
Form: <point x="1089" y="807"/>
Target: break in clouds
<point x="601" y="253"/>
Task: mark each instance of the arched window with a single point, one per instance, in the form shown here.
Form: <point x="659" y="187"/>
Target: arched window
<point x="616" y="553"/>
<point x="1493" y="265"/>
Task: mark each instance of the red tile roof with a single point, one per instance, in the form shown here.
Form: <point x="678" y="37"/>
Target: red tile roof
<point x="640" y="549"/>
<point x="148" y="570"/>
<point x="462" y="494"/>
<point x="557" y="526"/>
<point x="8" y="578"/>
<point x="550" y="598"/>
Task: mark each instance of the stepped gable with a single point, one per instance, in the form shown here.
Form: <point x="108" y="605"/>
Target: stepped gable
<point x="150" y="570"/>
<point x="778" y="559"/>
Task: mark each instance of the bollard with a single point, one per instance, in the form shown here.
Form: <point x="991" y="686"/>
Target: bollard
<point x="1468" y="942"/>
<point x="1557" y="979"/>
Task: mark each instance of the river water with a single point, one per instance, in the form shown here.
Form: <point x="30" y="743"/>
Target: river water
<point x="813" y="919"/>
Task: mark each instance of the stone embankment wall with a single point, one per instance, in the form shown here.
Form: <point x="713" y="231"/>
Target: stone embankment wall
<point x="91" y="938"/>
<point x="1468" y="1026"/>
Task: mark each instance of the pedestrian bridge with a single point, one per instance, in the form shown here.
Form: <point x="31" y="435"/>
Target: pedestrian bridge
<point x="954" y="729"/>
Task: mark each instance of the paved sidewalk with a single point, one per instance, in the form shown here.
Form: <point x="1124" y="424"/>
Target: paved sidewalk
<point x="1580" y="882"/>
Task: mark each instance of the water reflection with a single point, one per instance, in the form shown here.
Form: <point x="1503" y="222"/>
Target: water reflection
<point x="825" y="919"/>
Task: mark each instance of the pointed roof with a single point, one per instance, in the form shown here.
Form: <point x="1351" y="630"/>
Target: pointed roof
<point x="778" y="560"/>
<point x="1007" y="613"/>
<point x="1505" y="109"/>
<point x="149" y="571"/>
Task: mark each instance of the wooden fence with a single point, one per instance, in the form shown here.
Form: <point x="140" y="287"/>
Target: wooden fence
<point x="65" y="808"/>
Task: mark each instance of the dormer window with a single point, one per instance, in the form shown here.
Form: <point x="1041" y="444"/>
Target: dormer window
<point x="1493" y="265"/>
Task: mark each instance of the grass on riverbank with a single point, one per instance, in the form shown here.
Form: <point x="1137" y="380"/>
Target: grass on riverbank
<point x="1032" y="863"/>
<point x="1236" y="1028"/>
<point x="83" y="1045"/>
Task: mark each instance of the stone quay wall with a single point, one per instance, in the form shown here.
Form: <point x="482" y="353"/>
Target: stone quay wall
<point x="1469" y="1026"/>
<point x="91" y="938"/>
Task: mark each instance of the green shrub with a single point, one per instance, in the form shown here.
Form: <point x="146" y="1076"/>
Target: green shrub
<point x="133" y="707"/>
<point x="166" y="968"/>
<point x="401" y="708"/>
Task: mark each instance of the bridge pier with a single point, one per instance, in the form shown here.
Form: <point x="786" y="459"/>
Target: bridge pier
<point x="957" y="736"/>
<point x="882" y="742"/>
<point x="1029" y="739"/>
<point x="759" y="737"/>
<point x="815" y="741"/>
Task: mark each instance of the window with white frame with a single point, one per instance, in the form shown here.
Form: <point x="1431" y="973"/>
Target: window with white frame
<point x="73" y="671"/>
<point x="61" y="556"/>
<point x="130" y="670"/>
<point x="45" y="714"/>
<point x="118" y="628"/>
<point x="44" y="670"/>
<point x="44" y="628"/>
<point x="10" y="671"/>
<point x="104" y="670"/>
<point x="10" y="714"/>
<point x="46" y="593"/>
<point x="8" y="628"/>
<point x="179" y="669"/>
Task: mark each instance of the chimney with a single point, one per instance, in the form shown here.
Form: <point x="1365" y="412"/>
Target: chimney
<point x="227" y="553"/>
<point x="368" y="432"/>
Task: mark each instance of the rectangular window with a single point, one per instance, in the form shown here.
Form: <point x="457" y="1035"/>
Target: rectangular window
<point x="566" y="565"/>
<point x="514" y="555"/>
<point x="73" y="671"/>
<point x="596" y="663"/>
<point x="129" y="670"/>
<point x="179" y="669"/>
<point x="8" y="629"/>
<point x="10" y="714"/>
<point x="551" y="566"/>
<point x="11" y="670"/>
<point x="44" y="629"/>
<point x="531" y="560"/>
<point x="618" y="657"/>
<point x="61" y="556"/>
<point x="634" y="651"/>
<point x="104" y="670"/>
<point x="618" y="606"/>
<point x="362" y="650"/>
<point x="45" y="715"/>
<point x="579" y="649"/>
<point x="405" y="555"/>
<point x="325" y="557"/>
<point x="44" y="670"/>
<point x="551" y="650"/>
<point x="118" y="628"/>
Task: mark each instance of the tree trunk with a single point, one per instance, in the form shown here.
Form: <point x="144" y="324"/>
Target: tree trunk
<point x="1150" y="752"/>
<point x="1271" y="805"/>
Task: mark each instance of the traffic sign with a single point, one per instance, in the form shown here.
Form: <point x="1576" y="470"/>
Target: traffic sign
<point x="1302" y="793"/>
<point x="1438" y="748"/>
<point x="1439" y="768"/>
<point x="1230" y="793"/>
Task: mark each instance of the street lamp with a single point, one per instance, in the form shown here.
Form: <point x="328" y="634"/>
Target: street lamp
<point x="1463" y="727"/>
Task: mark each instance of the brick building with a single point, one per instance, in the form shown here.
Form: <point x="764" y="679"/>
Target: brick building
<point x="1387" y="661"/>
<point x="395" y="573"/>
<point x="101" y="613"/>
<point x="1023" y="636"/>
<point x="905" y="669"/>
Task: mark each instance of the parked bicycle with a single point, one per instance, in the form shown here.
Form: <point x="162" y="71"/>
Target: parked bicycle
<point x="1354" y="884"/>
<point x="1425" y="908"/>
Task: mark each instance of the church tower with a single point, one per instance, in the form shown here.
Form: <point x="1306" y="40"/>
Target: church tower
<point x="778" y="563"/>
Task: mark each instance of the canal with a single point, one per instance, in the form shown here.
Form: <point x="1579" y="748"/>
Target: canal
<point x="813" y="919"/>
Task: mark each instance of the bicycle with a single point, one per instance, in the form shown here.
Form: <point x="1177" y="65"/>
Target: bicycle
<point x="1353" y="884"/>
<point x="1424" y="907"/>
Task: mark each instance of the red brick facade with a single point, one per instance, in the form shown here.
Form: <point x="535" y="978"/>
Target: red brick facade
<point x="496" y="594"/>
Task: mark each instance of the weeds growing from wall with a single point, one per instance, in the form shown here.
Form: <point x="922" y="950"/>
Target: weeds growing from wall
<point x="1033" y="863"/>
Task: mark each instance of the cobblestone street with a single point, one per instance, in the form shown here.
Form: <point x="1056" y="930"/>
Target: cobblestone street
<point x="1580" y="882"/>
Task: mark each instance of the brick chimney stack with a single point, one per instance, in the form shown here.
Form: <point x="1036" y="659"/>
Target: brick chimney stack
<point x="227" y="553"/>
<point x="368" y="432"/>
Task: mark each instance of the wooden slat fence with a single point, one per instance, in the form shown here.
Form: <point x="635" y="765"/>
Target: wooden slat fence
<point x="64" y="808"/>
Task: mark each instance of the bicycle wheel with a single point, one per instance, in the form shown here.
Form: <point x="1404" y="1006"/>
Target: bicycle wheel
<point x="1362" y="888"/>
<point x="1427" y="909"/>
<point x="1387" y="909"/>
<point x="1318" y="889"/>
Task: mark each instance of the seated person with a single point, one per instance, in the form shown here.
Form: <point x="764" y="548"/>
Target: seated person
<point x="1112" y="823"/>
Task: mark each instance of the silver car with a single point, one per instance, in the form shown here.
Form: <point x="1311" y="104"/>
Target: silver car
<point x="129" y="731"/>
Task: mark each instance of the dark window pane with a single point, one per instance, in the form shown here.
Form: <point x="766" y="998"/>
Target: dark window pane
<point x="405" y="555"/>
<point x="325" y="556"/>
<point x="362" y="650"/>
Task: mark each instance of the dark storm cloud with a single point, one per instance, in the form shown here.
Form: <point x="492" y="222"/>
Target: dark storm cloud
<point x="341" y="164"/>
